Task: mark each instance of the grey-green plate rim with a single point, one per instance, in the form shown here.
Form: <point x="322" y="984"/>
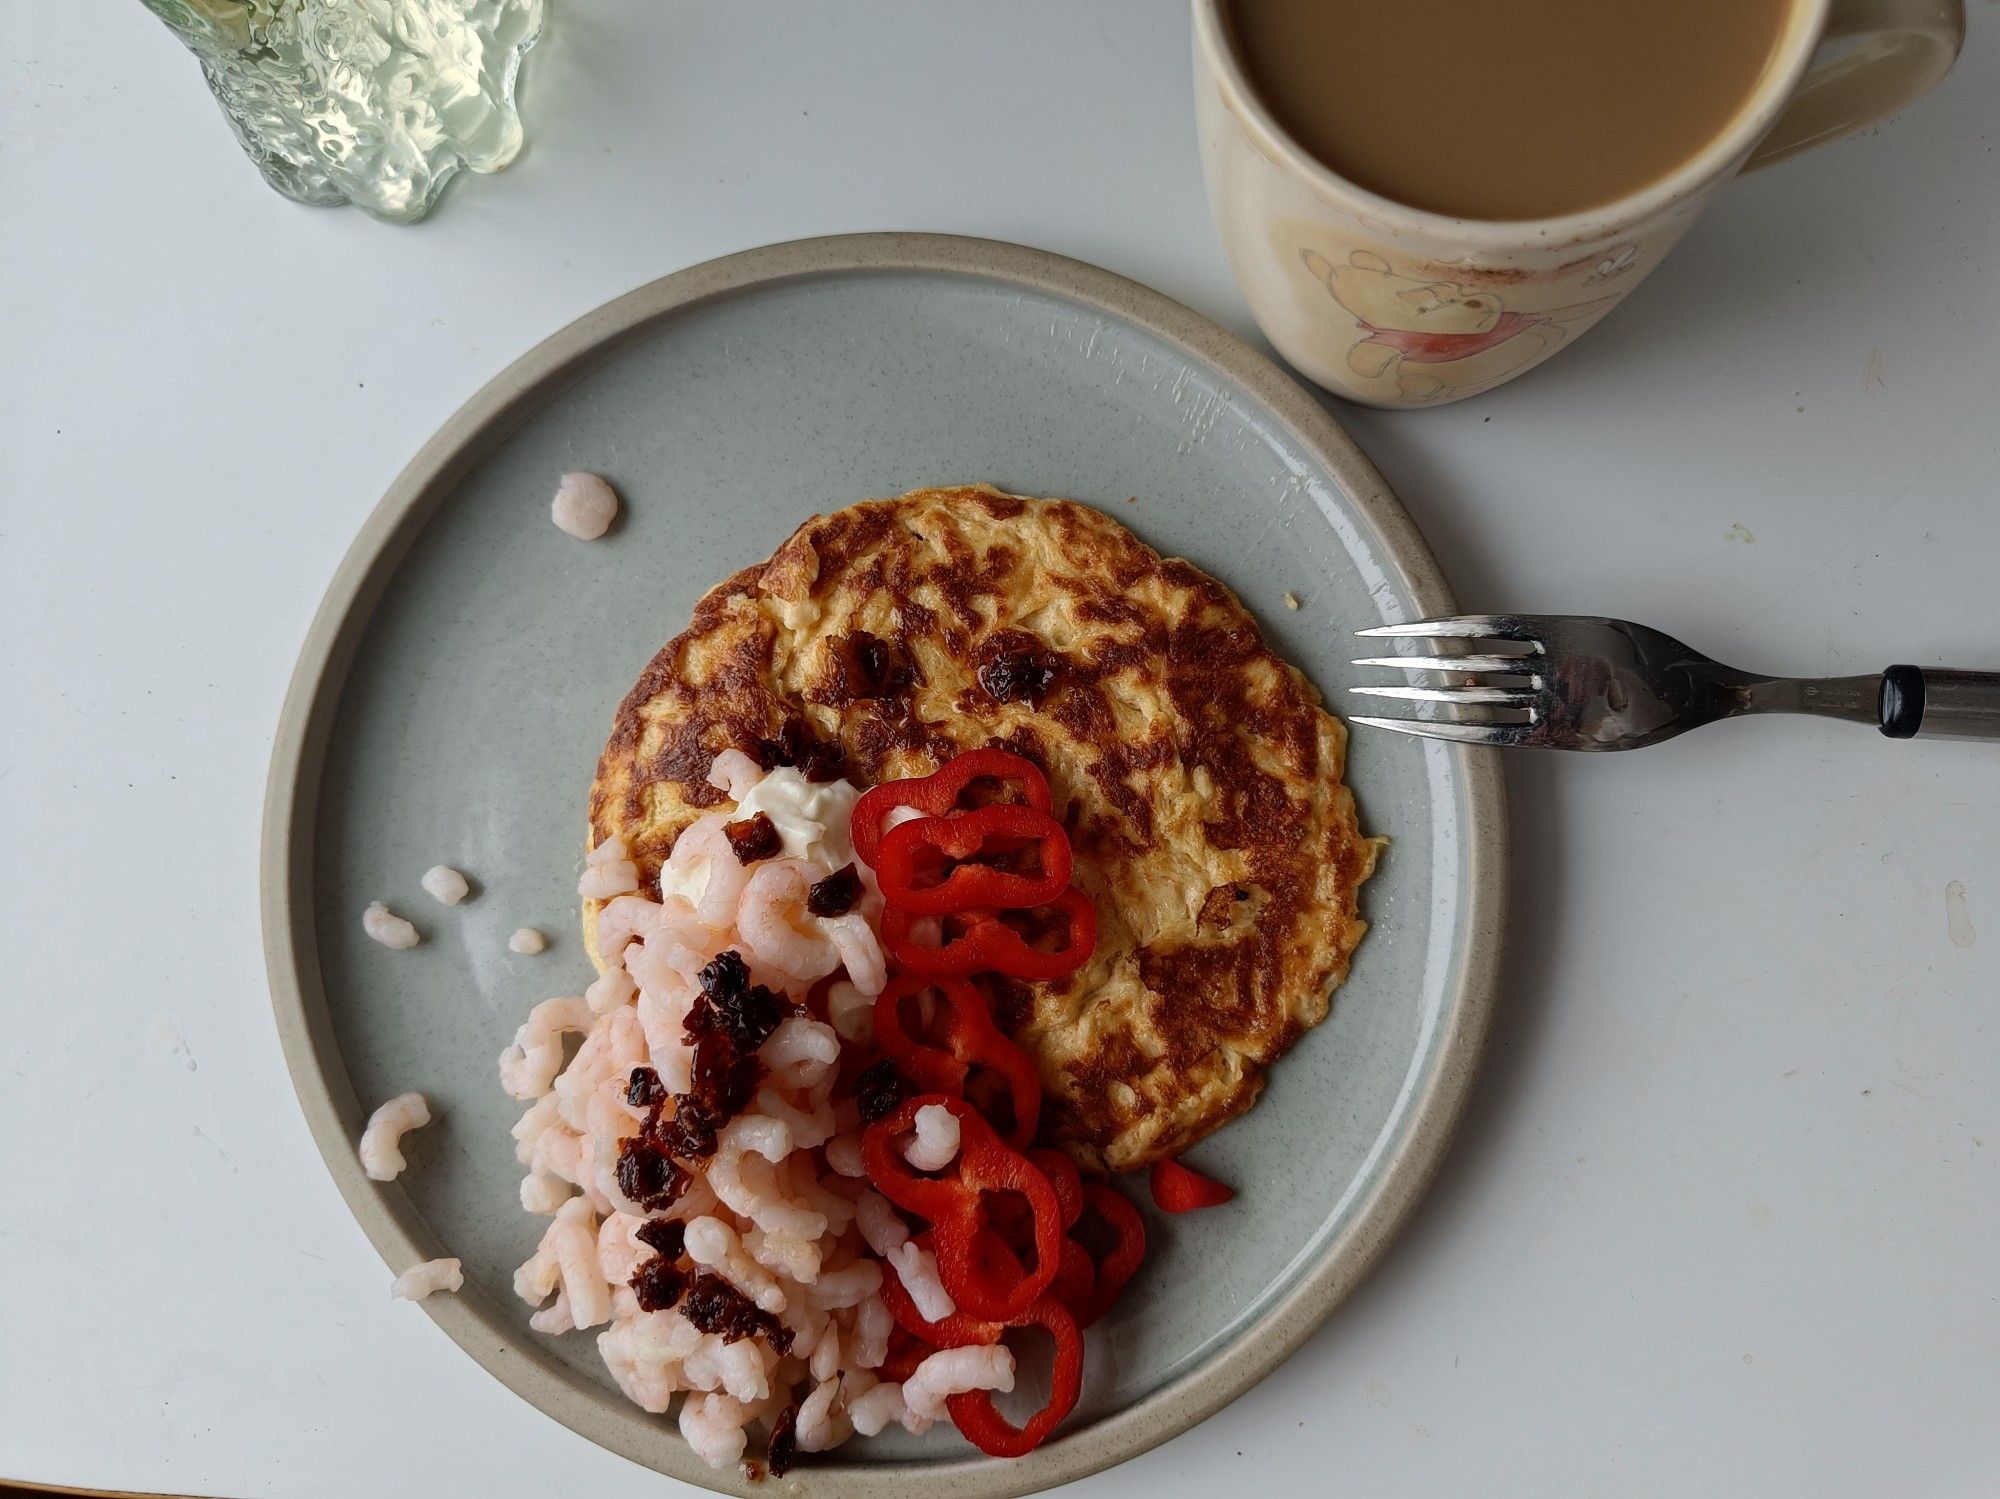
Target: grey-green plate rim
<point x="335" y="1115"/>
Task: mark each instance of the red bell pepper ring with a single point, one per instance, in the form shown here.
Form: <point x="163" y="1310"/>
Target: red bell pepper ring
<point x="956" y="1331"/>
<point x="937" y="795"/>
<point x="1118" y="1263"/>
<point x="980" y="1421"/>
<point x="981" y="1284"/>
<point x="912" y="850"/>
<point x="966" y="1037"/>
<point x="1010" y="1219"/>
<point x="1180" y="1189"/>
<point x="1076" y="1275"/>
<point x="906" y="1351"/>
<point x="1075" y="1285"/>
<point x="1065" y="1178"/>
<point x="988" y="945"/>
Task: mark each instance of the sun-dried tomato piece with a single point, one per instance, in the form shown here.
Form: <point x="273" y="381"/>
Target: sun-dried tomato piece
<point x="753" y="838"/>
<point x="724" y="1080"/>
<point x="784" y="1448"/>
<point x="878" y="1090"/>
<point x="645" y="1090"/>
<point x="648" y="1176"/>
<point x="750" y="1017"/>
<point x="796" y="744"/>
<point x="690" y="1133"/>
<point x="667" y="1236"/>
<point x="730" y="1006"/>
<point x="658" y="1283"/>
<point x="836" y="894"/>
<point x="713" y="1305"/>
<point x="1015" y="667"/>
<point x="725" y="973"/>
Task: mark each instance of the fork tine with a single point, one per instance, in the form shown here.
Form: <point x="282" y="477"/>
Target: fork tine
<point x="1461" y="733"/>
<point x="1464" y="627"/>
<point x="1520" y="666"/>
<point x="1491" y="697"/>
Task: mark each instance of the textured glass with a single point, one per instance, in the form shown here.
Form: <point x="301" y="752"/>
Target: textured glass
<point x="371" y="102"/>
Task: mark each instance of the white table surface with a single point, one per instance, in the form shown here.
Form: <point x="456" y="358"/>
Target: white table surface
<point x="1723" y="1217"/>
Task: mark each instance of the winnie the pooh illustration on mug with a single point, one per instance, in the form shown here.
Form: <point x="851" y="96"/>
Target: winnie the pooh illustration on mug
<point x="1436" y="340"/>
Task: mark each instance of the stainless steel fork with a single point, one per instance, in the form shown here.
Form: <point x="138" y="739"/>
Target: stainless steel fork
<point x="1578" y="682"/>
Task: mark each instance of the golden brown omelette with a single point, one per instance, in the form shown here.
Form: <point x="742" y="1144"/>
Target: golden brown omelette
<point x="1197" y="774"/>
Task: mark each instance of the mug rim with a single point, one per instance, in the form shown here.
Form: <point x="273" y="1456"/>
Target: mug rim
<point x="1736" y="140"/>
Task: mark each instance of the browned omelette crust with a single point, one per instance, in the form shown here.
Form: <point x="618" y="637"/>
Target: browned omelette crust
<point x="1198" y="776"/>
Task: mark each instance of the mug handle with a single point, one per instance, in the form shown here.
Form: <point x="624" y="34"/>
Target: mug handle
<point x="1893" y="51"/>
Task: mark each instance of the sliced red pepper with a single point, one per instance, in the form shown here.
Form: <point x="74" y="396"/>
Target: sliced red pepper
<point x="1117" y="1264"/>
<point x="975" y="1415"/>
<point x="1010" y="1220"/>
<point x="1075" y="1285"/>
<point x="1091" y="1274"/>
<point x="1076" y="1276"/>
<point x="936" y="794"/>
<point x="987" y="944"/>
<point x="1065" y="1178"/>
<point x="906" y="1351"/>
<point x="956" y="1208"/>
<point x="956" y="1331"/>
<point x="1181" y="1189"/>
<point x="965" y="1038"/>
<point x="925" y="867"/>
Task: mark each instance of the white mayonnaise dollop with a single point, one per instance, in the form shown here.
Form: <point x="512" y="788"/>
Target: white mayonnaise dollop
<point x="812" y="819"/>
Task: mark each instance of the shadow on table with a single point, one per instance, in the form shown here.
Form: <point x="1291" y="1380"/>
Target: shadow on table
<point x="1539" y="902"/>
<point x="1536" y="934"/>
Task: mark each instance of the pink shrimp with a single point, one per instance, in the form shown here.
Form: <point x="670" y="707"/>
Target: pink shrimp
<point x="608" y="870"/>
<point x="820" y="1427"/>
<point x="528" y="1068"/>
<point x="662" y="1015"/>
<point x="610" y="1124"/>
<point x="803" y="1130"/>
<point x="851" y="1012"/>
<point x="625" y="918"/>
<point x="749" y="1185"/>
<point x="770" y="919"/>
<point x="714" y="875"/>
<point x="953" y="1371"/>
<point x="800" y="1052"/>
<point x="872" y="1325"/>
<point x="610" y="990"/>
<point x="860" y="950"/>
<point x="734" y="774"/>
<point x="849" y="1286"/>
<point x="792" y="1257"/>
<point x="554" y="1318"/>
<point x="650" y="1386"/>
<point x="713" y="1244"/>
<point x="543" y="1193"/>
<point x="875" y="1408"/>
<point x="713" y="1427"/>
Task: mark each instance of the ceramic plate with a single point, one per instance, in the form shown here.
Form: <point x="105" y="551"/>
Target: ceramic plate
<point x="460" y="678"/>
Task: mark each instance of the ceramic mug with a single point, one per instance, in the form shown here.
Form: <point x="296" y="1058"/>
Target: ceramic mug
<point x="1397" y="306"/>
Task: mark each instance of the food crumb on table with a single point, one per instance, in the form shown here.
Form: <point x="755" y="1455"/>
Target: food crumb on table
<point x="527" y="941"/>
<point x="1291" y="600"/>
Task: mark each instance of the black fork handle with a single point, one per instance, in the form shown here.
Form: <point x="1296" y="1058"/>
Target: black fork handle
<point x="1939" y="704"/>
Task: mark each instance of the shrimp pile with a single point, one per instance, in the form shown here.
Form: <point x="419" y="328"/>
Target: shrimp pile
<point x="699" y="1156"/>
